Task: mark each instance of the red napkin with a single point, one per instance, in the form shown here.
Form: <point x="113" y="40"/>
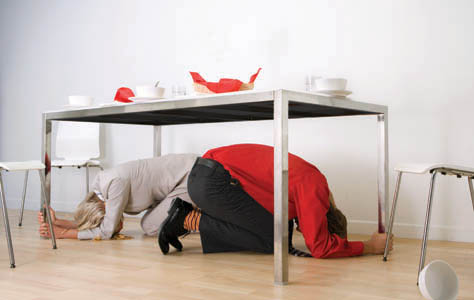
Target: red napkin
<point x="224" y="85"/>
<point x="123" y="94"/>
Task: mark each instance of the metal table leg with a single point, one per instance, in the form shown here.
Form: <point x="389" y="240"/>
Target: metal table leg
<point x="46" y="181"/>
<point x="7" y="224"/>
<point x="382" y="171"/>
<point x="280" y="140"/>
<point x="427" y="225"/>
<point x="87" y="178"/>
<point x="48" y="212"/>
<point x="392" y="214"/>
<point x="46" y="154"/>
<point x="156" y="141"/>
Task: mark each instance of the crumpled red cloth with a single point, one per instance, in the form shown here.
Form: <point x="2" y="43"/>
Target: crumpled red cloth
<point x="123" y="94"/>
<point x="224" y="85"/>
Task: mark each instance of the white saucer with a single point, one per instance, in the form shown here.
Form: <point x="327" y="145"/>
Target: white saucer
<point x="143" y="99"/>
<point x="112" y="103"/>
<point x="76" y="106"/>
<point x="339" y="93"/>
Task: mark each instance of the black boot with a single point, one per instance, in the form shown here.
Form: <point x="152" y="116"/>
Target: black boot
<point x="173" y="226"/>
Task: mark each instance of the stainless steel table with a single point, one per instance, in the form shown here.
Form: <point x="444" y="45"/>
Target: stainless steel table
<point x="277" y="105"/>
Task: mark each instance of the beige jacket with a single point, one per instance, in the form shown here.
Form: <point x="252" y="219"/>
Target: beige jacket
<point x="137" y="186"/>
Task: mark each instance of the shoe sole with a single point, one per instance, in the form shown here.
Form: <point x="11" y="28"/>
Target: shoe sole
<point x="160" y="229"/>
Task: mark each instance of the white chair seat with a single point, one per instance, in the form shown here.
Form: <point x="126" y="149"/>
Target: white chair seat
<point x="22" y="165"/>
<point x="26" y="166"/>
<point x="424" y="168"/>
<point x="74" y="163"/>
<point x="444" y="169"/>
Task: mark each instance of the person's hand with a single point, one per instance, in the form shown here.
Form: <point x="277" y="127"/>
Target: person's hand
<point x="376" y="243"/>
<point x="42" y="219"/>
<point x="58" y="231"/>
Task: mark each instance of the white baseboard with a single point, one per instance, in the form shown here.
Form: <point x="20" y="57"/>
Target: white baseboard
<point x="436" y="232"/>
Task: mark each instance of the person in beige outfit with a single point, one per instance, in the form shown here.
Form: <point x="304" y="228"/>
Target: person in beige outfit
<point x="133" y="187"/>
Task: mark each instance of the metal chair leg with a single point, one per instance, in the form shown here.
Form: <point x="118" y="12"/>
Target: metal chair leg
<point x="392" y="215"/>
<point x="471" y="189"/>
<point x="46" y="203"/>
<point x="7" y="224"/>
<point x="427" y="225"/>
<point x="87" y="178"/>
<point x="23" y="197"/>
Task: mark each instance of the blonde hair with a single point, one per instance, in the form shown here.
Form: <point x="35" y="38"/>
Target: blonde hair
<point x="90" y="212"/>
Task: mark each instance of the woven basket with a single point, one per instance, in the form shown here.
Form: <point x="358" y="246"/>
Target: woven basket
<point x="202" y="89"/>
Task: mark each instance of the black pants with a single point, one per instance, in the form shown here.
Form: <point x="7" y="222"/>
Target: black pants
<point x="231" y="220"/>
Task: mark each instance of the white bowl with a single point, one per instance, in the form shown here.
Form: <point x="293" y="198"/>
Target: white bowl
<point x="80" y="100"/>
<point x="438" y="280"/>
<point x="331" y="84"/>
<point x="150" y="91"/>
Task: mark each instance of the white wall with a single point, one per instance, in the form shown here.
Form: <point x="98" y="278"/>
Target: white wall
<point x="414" y="56"/>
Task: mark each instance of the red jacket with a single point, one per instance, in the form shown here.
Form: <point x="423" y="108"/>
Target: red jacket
<point x="308" y="196"/>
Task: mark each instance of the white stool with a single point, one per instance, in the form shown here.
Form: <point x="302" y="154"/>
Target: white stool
<point x="23" y="166"/>
<point x="444" y="169"/>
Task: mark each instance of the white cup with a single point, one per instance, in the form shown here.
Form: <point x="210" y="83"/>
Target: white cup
<point x="150" y="91"/>
<point x="438" y="280"/>
<point x="80" y="100"/>
<point x="331" y="84"/>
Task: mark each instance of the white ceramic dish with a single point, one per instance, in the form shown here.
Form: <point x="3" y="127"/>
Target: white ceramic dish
<point x="331" y="84"/>
<point x="80" y="100"/>
<point x="149" y="91"/>
<point x="341" y="93"/>
<point x="113" y="103"/>
<point x="76" y="106"/>
<point x="144" y="99"/>
<point x="438" y="280"/>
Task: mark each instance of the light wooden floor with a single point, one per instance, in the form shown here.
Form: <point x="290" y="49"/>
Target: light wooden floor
<point x="135" y="269"/>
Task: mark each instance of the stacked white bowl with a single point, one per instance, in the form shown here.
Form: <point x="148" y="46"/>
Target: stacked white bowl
<point x="332" y="87"/>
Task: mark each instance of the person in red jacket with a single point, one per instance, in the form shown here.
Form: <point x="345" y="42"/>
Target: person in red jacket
<point x="233" y="188"/>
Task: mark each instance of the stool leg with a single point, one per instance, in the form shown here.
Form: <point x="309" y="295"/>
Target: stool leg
<point x="392" y="215"/>
<point x="471" y="189"/>
<point x="427" y="225"/>
<point x="7" y="224"/>
<point x="23" y="197"/>
<point x="87" y="178"/>
<point x="46" y="203"/>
